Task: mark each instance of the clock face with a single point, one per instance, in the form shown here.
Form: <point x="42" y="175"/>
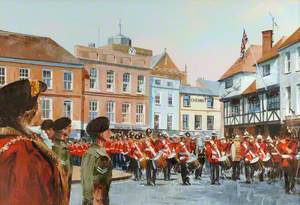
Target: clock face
<point x="131" y="51"/>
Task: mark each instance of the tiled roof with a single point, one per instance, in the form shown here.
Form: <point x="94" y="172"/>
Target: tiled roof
<point x="253" y="53"/>
<point x="163" y="65"/>
<point x="29" y="47"/>
<point x="250" y="89"/>
<point x="273" y="52"/>
<point x="155" y="59"/>
<point x="213" y="86"/>
<point x="295" y="37"/>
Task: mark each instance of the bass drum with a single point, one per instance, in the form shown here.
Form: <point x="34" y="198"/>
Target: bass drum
<point x="160" y="160"/>
<point x="143" y="163"/>
<point x="173" y="159"/>
<point x="193" y="163"/>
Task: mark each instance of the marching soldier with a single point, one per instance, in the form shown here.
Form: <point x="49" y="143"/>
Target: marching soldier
<point x="150" y="153"/>
<point x="96" y="166"/>
<point x="183" y="155"/>
<point x="236" y="157"/>
<point x="63" y="128"/>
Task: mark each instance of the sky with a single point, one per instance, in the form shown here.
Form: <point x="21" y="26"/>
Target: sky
<point x="203" y="34"/>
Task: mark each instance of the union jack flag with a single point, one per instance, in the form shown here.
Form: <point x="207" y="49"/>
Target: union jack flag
<point x="244" y="43"/>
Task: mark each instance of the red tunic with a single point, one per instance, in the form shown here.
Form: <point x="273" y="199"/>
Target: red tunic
<point x="28" y="175"/>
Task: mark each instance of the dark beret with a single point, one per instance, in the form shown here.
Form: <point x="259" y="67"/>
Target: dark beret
<point x="18" y="97"/>
<point x="61" y="123"/>
<point x="97" y="125"/>
<point x="47" y="124"/>
<point x="187" y="134"/>
<point x="148" y="130"/>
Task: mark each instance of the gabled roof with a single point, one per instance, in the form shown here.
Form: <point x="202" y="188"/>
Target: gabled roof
<point x="250" y="89"/>
<point x="163" y="65"/>
<point x="29" y="47"/>
<point x="253" y="53"/>
<point x="197" y="91"/>
<point x="273" y="52"/>
<point x="294" y="38"/>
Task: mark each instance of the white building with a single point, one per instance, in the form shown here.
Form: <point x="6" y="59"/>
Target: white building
<point x="289" y="64"/>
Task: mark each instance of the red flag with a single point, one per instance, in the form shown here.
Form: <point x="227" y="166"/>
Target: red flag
<point x="244" y="43"/>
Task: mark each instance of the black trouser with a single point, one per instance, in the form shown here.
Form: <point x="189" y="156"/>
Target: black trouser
<point x="167" y="170"/>
<point x="289" y="175"/>
<point x="214" y="172"/>
<point x="198" y="172"/>
<point x="184" y="173"/>
<point x="236" y="170"/>
<point x="136" y="169"/>
<point x="151" y="171"/>
<point x="249" y="172"/>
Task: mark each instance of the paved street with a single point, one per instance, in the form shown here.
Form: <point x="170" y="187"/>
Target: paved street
<point x="201" y="192"/>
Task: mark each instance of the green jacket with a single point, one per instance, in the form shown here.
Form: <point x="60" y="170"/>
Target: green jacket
<point x="61" y="150"/>
<point x="96" y="169"/>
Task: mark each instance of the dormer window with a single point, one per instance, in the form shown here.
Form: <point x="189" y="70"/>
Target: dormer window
<point x="228" y="83"/>
<point x="266" y="70"/>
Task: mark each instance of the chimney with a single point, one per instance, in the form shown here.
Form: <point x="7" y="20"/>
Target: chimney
<point x="267" y="41"/>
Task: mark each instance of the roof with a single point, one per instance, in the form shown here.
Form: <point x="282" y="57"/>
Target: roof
<point x="30" y="47"/>
<point x="197" y="91"/>
<point x="246" y="64"/>
<point x="294" y="38"/>
<point x="273" y="52"/>
<point x="213" y="86"/>
<point x="250" y="89"/>
<point x="163" y="65"/>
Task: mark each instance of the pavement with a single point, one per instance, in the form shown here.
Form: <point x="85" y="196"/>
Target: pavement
<point x="129" y="192"/>
<point x="116" y="175"/>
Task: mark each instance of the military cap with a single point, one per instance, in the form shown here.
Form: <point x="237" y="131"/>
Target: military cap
<point x="148" y="131"/>
<point x="47" y="124"/>
<point x="187" y="134"/>
<point x="61" y="123"/>
<point x="97" y="125"/>
<point x="18" y="97"/>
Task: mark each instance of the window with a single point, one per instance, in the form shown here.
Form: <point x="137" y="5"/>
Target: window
<point x="288" y="100"/>
<point x="170" y="84"/>
<point x="93" y="78"/>
<point x="156" y="121"/>
<point x="298" y="59"/>
<point x="228" y="83"/>
<point x="125" y="112"/>
<point x="185" y="122"/>
<point x="287" y="62"/>
<point x="157" y="82"/>
<point x="157" y="98"/>
<point x="46" y="108"/>
<point x="266" y="70"/>
<point x="210" y="122"/>
<point x="235" y="107"/>
<point x="169" y="121"/>
<point x="141" y="84"/>
<point x="110" y="80"/>
<point x="273" y="102"/>
<point x="68" y="109"/>
<point x="186" y="101"/>
<point x="253" y="104"/>
<point x="210" y="102"/>
<point x="126" y="82"/>
<point x="140" y="114"/>
<point x="68" y="81"/>
<point x="111" y="111"/>
<point x="2" y="76"/>
<point x="198" y="122"/>
<point x="24" y="73"/>
<point x="93" y="110"/>
<point x="47" y="78"/>
<point x="170" y="99"/>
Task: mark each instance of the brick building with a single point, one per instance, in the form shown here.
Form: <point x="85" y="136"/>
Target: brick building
<point x="118" y="83"/>
<point x="34" y="57"/>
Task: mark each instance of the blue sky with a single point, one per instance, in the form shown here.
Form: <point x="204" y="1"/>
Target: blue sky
<point x="205" y="35"/>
